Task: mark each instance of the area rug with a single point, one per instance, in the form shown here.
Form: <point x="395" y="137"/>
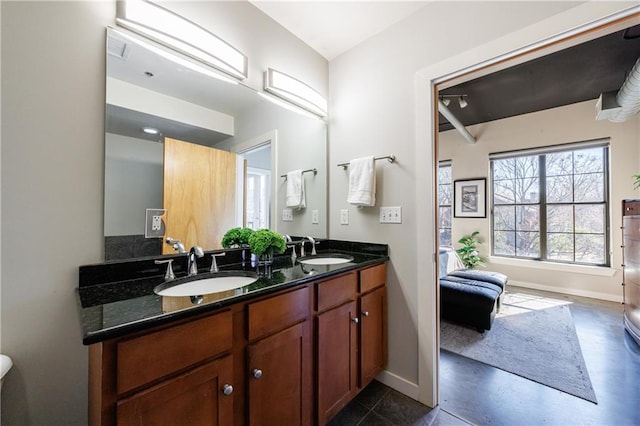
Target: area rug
<point x="538" y="344"/>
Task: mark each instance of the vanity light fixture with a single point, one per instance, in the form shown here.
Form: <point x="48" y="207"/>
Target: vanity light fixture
<point x="176" y="32"/>
<point x="295" y="91"/>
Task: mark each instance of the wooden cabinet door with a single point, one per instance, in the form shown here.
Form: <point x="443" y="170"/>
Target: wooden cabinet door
<point x="194" y="398"/>
<point x="280" y="378"/>
<point x="373" y="335"/>
<point x="337" y="359"/>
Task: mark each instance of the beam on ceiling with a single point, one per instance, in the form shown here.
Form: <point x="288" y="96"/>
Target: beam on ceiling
<point x="455" y="122"/>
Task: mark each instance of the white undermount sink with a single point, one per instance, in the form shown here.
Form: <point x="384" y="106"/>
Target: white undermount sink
<point x="197" y="287"/>
<point x="329" y="259"/>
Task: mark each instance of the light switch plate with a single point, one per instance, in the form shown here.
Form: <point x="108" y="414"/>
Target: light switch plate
<point x="315" y="217"/>
<point x="344" y="217"/>
<point x="287" y="215"/>
<point x="391" y="214"/>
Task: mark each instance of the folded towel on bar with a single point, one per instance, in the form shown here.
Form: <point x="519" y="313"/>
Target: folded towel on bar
<point x="362" y="182"/>
<point x="295" y="190"/>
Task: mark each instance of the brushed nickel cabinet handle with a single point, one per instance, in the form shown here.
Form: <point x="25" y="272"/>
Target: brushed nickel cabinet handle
<point x="227" y="389"/>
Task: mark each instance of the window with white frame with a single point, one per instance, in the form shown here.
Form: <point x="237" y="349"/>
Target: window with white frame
<point x="552" y="204"/>
<point x="445" y="192"/>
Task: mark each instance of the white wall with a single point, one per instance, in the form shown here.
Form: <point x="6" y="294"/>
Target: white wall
<point x="573" y="123"/>
<point x="380" y="105"/>
<point x="53" y="94"/>
<point x="132" y="183"/>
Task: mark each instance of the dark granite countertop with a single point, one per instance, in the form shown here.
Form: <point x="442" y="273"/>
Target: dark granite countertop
<point x="116" y="298"/>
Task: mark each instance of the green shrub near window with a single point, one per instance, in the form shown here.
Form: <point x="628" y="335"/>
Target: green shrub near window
<point x="469" y="252"/>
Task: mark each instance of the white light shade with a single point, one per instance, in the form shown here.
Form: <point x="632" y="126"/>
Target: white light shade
<point x="294" y="91"/>
<point x="187" y="37"/>
<point x="462" y="102"/>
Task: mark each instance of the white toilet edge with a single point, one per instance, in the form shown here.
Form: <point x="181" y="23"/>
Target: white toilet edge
<point x="5" y="365"/>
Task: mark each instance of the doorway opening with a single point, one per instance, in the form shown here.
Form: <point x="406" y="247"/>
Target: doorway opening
<point x="449" y="81"/>
<point x="255" y="184"/>
<point x="258" y="186"/>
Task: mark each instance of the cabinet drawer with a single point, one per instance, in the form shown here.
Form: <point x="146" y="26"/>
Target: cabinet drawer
<point x="336" y="291"/>
<point x="373" y="277"/>
<point x="147" y="358"/>
<point x="630" y="208"/>
<point x="278" y="312"/>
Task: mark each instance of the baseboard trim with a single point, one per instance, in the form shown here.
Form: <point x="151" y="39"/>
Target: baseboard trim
<point x="398" y="383"/>
<point x="569" y="291"/>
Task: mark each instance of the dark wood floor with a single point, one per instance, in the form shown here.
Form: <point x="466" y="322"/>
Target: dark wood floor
<point x="485" y="395"/>
<point x="475" y="393"/>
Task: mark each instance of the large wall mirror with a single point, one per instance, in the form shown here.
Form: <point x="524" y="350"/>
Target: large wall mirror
<point x="157" y="100"/>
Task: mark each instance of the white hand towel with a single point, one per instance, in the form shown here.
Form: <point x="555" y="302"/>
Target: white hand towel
<point x="295" y="190"/>
<point x="362" y="182"/>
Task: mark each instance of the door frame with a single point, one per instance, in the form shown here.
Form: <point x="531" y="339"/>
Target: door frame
<point x="577" y="25"/>
<point x="271" y="137"/>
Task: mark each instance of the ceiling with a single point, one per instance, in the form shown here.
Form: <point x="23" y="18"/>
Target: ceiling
<point x="576" y="74"/>
<point x="333" y="27"/>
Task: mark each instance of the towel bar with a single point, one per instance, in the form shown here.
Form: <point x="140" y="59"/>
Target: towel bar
<point x="315" y="172"/>
<point x="390" y="158"/>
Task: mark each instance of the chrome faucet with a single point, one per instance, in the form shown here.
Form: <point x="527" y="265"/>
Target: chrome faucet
<point x="192" y="264"/>
<point x="214" y="264"/>
<point x="289" y="242"/>
<point x="176" y="244"/>
<point x="313" y="246"/>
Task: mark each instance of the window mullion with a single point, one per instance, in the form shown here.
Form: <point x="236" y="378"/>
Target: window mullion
<point x="542" y="179"/>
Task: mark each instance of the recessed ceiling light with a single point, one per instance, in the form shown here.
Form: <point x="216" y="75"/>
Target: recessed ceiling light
<point x="150" y="130"/>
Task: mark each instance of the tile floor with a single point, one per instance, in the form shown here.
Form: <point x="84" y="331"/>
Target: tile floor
<point x="379" y="405"/>
<point x="475" y="393"/>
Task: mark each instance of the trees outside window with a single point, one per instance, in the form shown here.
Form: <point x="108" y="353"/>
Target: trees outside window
<point x="552" y="205"/>
<point x="445" y="200"/>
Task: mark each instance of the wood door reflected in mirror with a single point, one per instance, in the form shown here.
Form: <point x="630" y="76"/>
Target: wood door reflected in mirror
<point x="199" y="194"/>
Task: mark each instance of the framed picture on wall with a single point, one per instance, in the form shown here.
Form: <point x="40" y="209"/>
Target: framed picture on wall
<point x="470" y="198"/>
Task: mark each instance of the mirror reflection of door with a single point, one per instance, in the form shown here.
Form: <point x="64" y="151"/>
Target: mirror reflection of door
<point x="258" y="186"/>
<point x="199" y="194"/>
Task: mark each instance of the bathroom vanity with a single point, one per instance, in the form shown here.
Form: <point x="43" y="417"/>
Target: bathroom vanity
<point x="293" y="348"/>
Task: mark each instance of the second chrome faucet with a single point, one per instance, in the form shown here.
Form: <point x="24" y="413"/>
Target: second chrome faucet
<point x="192" y="263"/>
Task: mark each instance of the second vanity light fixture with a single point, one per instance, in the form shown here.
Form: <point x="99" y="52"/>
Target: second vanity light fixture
<point x="295" y="91"/>
<point x="174" y="31"/>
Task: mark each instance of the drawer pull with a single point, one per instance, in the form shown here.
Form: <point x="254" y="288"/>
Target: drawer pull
<point x="257" y="373"/>
<point x="227" y="389"/>
<point x="365" y="313"/>
<point x="355" y="320"/>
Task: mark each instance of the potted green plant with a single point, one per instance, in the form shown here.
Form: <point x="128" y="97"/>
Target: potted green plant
<point x="636" y="181"/>
<point x="236" y="237"/>
<point x="264" y="243"/>
<point x="468" y="252"/>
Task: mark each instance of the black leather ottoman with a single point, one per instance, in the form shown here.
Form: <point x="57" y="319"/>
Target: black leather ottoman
<point x="471" y="297"/>
<point x="496" y="278"/>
